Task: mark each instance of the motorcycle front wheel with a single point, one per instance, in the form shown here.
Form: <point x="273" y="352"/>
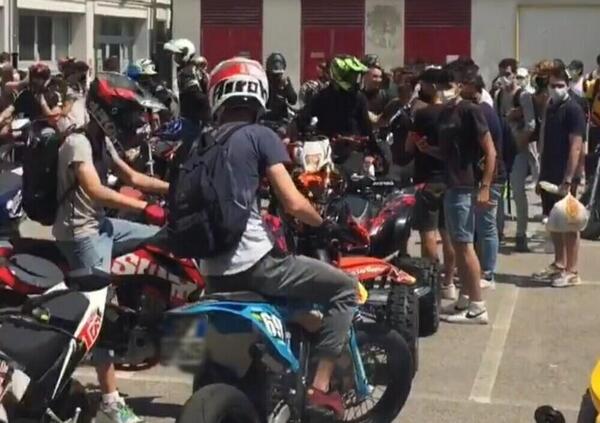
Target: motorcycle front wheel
<point x="389" y="367"/>
<point x="218" y="403"/>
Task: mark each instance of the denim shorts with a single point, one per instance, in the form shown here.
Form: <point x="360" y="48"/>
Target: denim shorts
<point x="459" y="209"/>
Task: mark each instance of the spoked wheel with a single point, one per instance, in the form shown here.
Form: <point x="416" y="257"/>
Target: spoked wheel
<point x="389" y="368"/>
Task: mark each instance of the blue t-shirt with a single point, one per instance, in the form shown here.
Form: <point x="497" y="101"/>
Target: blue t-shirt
<point x="495" y="128"/>
<point x="253" y="149"/>
<point x="562" y="120"/>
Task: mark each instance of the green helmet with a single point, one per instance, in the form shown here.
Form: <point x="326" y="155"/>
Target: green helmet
<point x="345" y="71"/>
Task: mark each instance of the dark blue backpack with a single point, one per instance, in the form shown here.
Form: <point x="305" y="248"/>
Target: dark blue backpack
<point x="207" y="215"/>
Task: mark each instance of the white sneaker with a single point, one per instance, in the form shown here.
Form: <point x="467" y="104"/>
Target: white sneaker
<point x="455" y="307"/>
<point x="467" y="317"/>
<point x="449" y="292"/>
<point x="485" y="284"/>
<point x="117" y="412"/>
<point x="566" y="279"/>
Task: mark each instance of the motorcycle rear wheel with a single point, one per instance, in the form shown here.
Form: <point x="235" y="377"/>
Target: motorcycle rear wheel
<point x="218" y="403"/>
<point x="376" y="342"/>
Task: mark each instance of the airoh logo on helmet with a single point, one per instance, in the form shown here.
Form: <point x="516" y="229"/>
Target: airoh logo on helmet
<point x="239" y="86"/>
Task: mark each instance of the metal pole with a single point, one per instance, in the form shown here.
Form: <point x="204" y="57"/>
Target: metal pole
<point x="14" y="22"/>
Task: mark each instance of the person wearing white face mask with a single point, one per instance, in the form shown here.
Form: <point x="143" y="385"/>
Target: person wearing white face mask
<point x="515" y="105"/>
<point x="563" y="132"/>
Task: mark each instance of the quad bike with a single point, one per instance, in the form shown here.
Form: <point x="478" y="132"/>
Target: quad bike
<point x="258" y="361"/>
<point x="589" y="411"/>
<point x="42" y="343"/>
<point x="393" y="299"/>
<point x="147" y="282"/>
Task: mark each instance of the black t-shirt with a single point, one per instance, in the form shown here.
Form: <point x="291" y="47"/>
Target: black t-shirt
<point x="280" y="94"/>
<point x="428" y="168"/>
<point x="562" y="120"/>
<point x="493" y="121"/>
<point x="377" y="100"/>
<point x="341" y="112"/>
<point x="461" y="126"/>
<point x="27" y="106"/>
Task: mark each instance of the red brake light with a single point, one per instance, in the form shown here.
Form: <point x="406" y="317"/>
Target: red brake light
<point x="409" y="200"/>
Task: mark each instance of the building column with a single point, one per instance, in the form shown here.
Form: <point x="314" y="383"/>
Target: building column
<point x="278" y="14"/>
<point x="384" y="31"/>
<point x="89" y="34"/>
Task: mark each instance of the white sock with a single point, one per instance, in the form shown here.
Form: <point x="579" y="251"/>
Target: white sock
<point x="111" y="398"/>
<point x="462" y="302"/>
<point x="476" y="307"/>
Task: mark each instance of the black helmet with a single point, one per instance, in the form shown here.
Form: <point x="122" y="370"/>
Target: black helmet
<point x="117" y="104"/>
<point x="276" y="63"/>
<point x="371" y="61"/>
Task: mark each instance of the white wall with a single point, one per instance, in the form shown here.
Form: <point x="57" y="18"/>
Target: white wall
<point x="282" y="33"/>
<point x="186" y="20"/>
<point x="384" y="31"/>
<point x="492" y="33"/>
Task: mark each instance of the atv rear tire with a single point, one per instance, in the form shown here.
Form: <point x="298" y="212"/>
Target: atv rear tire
<point x="218" y="403"/>
<point x="427" y="274"/>
<point x="403" y="316"/>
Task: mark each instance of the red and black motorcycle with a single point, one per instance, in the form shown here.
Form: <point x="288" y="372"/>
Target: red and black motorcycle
<point x="146" y="282"/>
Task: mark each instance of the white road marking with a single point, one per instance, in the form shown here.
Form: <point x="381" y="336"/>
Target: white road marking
<point x="492" y="356"/>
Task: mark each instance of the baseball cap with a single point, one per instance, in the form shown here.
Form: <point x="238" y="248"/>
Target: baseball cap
<point x="522" y="73"/>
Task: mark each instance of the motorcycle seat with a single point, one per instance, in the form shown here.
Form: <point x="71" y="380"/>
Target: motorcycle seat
<point x="38" y="247"/>
<point x="35" y="271"/>
<point x="237" y="296"/>
<point x="37" y="350"/>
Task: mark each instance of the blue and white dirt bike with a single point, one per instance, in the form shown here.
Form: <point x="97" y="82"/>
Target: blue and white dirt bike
<point x="252" y="358"/>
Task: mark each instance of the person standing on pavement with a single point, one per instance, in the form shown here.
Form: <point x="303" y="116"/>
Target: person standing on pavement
<point x="429" y="171"/>
<point x="486" y="227"/>
<point x="563" y="132"/>
<point x="515" y="105"/>
<point x="465" y="145"/>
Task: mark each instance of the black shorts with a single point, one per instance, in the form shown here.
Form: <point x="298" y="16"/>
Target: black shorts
<point x="429" y="208"/>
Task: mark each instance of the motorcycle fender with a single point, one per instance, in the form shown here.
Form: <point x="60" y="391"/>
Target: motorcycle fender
<point x="595" y="386"/>
<point x="263" y="317"/>
<point x="403" y="221"/>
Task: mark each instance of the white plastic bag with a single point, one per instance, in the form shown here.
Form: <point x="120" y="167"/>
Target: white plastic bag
<point x="568" y="215"/>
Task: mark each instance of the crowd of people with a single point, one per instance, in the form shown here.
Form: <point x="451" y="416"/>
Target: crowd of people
<point x="466" y="141"/>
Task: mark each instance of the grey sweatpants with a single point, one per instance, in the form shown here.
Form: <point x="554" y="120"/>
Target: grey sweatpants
<point x="306" y="279"/>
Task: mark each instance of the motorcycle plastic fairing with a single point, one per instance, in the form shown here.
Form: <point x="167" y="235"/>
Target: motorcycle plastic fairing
<point x="369" y="268"/>
<point x="37" y="272"/>
<point x="595" y="386"/>
<point x="227" y="315"/>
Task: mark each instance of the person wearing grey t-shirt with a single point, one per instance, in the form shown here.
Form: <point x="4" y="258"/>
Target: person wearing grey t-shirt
<point x="515" y="104"/>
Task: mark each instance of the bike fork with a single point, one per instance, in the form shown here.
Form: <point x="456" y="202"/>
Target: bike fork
<point x="360" y="376"/>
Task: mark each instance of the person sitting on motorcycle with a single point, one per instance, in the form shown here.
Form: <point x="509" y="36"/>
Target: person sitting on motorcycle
<point x="281" y="90"/>
<point x="342" y="110"/>
<point x="193" y="101"/>
<point x="256" y="264"/>
<point x="84" y="234"/>
<point x="143" y="71"/>
<point x="35" y="102"/>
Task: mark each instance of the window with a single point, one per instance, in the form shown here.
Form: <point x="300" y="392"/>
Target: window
<point x="43" y="37"/>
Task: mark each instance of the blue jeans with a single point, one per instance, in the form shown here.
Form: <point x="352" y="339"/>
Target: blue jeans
<point x="459" y="209"/>
<point x="518" y="177"/>
<point x="487" y="232"/>
<point x="120" y="236"/>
